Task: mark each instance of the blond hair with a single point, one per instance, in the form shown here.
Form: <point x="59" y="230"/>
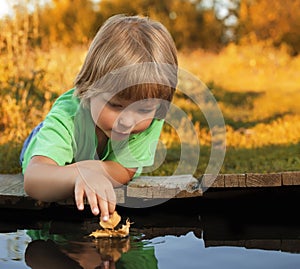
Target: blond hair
<point x="133" y="56"/>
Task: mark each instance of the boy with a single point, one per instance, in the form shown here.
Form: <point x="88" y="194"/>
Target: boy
<point x="102" y="133"/>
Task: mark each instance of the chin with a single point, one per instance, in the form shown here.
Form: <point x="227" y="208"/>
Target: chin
<point x="118" y="136"/>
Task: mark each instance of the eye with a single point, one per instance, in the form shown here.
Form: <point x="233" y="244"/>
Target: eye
<point x="114" y="105"/>
<point x="149" y="108"/>
<point x="146" y="110"/>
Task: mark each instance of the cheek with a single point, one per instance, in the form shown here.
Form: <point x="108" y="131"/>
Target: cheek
<point x="143" y="125"/>
<point x="100" y="114"/>
<point x="94" y="115"/>
<point x="95" y="110"/>
<point x="105" y="119"/>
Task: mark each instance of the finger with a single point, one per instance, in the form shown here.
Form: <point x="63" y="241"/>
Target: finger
<point x="79" y="194"/>
<point x="111" y="202"/>
<point x="111" y="208"/>
<point x="110" y="193"/>
<point x="103" y="208"/>
<point x="92" y="198"/>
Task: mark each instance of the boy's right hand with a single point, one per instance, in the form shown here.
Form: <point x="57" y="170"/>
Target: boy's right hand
<point x="94" y="183"/>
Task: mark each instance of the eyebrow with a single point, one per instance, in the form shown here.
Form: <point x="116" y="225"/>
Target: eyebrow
<point x="146" y="102"/>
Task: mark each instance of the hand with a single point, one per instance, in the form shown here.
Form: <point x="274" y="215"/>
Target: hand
<point x="94" y="183"/>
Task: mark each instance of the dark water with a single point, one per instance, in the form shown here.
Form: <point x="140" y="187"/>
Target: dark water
<point x="253" y="229"/>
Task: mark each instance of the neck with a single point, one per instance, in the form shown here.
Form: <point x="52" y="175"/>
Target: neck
<point x="102" y="141"/>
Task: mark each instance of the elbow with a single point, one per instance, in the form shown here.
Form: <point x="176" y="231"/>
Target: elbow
<point x="29" y="190"/>
<point x="32" y="190"/>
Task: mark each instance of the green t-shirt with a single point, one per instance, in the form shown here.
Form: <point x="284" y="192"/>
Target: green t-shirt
<point x="68" y="136"/>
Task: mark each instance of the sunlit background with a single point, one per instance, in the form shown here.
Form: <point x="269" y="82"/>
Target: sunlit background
<point x="4" y="8"/>
<point x="245" y="51"/>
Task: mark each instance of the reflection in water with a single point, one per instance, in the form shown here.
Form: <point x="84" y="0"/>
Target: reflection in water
<point x="169" y="251"/>
<point x="100" y="253"/>
<point x="47" y="254"/>
<point x="249" y="235"/>
<point x="111" y="249"/>
<point x="13" y="245"/>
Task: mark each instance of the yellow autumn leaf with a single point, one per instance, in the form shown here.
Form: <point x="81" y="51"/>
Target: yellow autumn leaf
<point x="108" y="228"/>
<point x="122" y="232"/>
<point x="112" y="222"/>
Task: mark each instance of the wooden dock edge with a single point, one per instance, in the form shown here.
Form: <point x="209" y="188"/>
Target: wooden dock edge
<point x="156" y="187"/>
<point x="249" y="180"/>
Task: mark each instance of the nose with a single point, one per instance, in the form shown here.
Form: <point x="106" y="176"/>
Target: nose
<point x="126" y="120"/>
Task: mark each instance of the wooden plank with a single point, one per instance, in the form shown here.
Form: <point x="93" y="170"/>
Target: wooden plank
<point x="186" y="194"/>
<point x="212" y="181"/>
<point x="290" y="245"/>
<point x="120" y="194"/>
<point x="290" y="178"/>
<point x="235" y="180"/>
<point x="167" y="187"/>
<point x="151" y="192"/>
<point x="11" y="190"/>
<point x="9" y="180"/>
<point x="16" y="189"/>
<point x="139" y="192"/>
<point x="154" y="188"/>
<point x="263" y="180"/>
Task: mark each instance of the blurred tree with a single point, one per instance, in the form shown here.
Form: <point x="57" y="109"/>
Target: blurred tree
<point x="189" y="24"/>
<point x="21" y="27"/>
<point x="68" y="21"/>
<point x="179" y="16"/>
<point x="225" y="20"/>
<point x="277" y="20"/>
<point x="192" y="23"/>
<point x="211" y="34"/>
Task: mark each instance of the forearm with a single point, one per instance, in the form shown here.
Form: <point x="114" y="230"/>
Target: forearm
<point x="118" y="174"/>
<point x="49" y="182"/>
<point x="46" y="181"/>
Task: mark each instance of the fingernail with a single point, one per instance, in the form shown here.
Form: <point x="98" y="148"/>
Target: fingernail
<point x="105" y="218"/>
<point x="80" y="207"/>
<point x="96" y="210"/>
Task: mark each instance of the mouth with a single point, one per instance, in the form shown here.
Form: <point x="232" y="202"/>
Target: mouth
<point x="116" y="135"/>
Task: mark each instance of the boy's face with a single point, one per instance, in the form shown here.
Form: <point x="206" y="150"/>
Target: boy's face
<point x="118" y="118"/>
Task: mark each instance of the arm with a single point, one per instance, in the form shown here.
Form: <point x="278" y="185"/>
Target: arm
<point x="47" y="181"/>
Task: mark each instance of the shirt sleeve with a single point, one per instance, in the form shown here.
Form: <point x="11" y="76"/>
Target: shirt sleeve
<point x="54" y="140"/>
<point x="139" y="150"/>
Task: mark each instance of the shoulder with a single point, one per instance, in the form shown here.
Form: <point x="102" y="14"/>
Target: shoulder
<point x="66" y="103"/>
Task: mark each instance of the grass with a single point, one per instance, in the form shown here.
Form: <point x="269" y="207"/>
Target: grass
<point x="266" y="159"/>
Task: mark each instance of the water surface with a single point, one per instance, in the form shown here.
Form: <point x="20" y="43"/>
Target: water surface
<point x="253" y="230"/>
